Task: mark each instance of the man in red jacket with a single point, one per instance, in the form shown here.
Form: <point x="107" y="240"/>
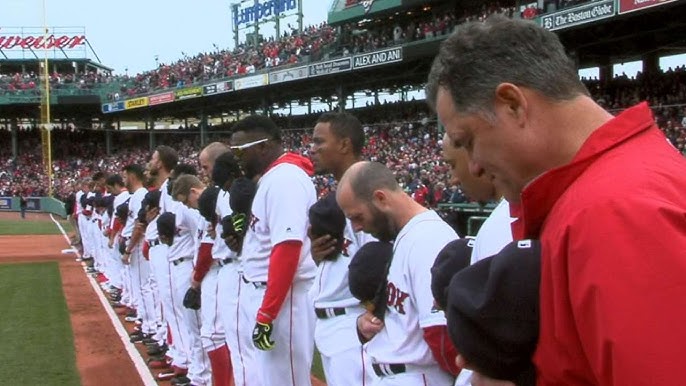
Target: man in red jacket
<point x="604" y="194"/>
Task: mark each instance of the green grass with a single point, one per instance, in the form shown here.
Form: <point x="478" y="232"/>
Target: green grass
<point x="32" y="227"/>
<point x="317" y="369"/>
<point x="37" y="343"/>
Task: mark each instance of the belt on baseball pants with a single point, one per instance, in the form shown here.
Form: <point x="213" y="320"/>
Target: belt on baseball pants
<point x="154" y="243"/>
<point x="224" y="262"/>
<point x="326" y="313"/>
<point x="179" y="261"/>
<point x="257" y="284"/>
<point x="386" y="369"/>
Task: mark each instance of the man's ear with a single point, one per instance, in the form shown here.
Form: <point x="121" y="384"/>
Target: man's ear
<point x="380" y="199"/>
<point x="510" y="100"/>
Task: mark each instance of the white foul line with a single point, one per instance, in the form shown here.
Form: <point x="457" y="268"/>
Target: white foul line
<point x="138" y="362"/>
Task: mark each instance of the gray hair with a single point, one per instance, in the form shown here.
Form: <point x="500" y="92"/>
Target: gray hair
<point x="372" y="176"/>
<point x="479" y="56"/>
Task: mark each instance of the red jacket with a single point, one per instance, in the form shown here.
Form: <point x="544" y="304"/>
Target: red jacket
<point x="613" y="271"/>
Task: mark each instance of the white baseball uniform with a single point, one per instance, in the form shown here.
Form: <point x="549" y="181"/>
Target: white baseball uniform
<point x="280" y="213"/>
<point x="139" y="268"/>
<point x="238" y="336"/>
<point x="411" y="306"/>
<point x="86" y="228"/>
<point x="78" y="211"/>
<point x="495" y="233"/>
<point x="116" y="273"/>
<point x="337" y="309"/>
<point x="182" y="253"/>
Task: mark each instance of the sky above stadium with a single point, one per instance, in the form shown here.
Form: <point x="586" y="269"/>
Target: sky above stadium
<point x="129" y="34"/>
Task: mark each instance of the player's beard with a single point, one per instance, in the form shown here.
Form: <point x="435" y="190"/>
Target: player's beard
<point x="383" y="227"/>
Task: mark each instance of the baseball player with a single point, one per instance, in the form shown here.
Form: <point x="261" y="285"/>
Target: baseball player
<point x="277" y="267"/>
<point x="161" y="163"/>
<point x="139" y="267"/>
<point x="496" y="231"/>
<point x="204" y="286"/>
<point x="116" y="187"/>
<point x="410" y="347"/>
<point x="223" y="169"/>
<point x="337" y="143"/>
<point x="183" y="251"/>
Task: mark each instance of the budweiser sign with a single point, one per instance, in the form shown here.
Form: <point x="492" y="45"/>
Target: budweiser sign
<point x="8" y="42"/>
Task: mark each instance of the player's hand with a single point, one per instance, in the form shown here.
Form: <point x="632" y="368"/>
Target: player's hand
<point x="480" y="379"/>
<point x="234" y="242"/>
<point x="321" y="246"/>
<point x="369" y="325"/>
<point x="151" y="214"/>
<point x="110" y="244"/>
<point x="126" y="258"/>
<point x="262" y="336"/>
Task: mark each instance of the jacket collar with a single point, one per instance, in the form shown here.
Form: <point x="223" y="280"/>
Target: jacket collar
<point x="542" y="193"/>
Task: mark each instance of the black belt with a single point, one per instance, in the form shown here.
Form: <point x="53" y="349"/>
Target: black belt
<point x="383" y="370"/>
<point x="257" y="284"/>
<point x="224" y="262"/>
<point x="154" y="243"/>
<point x="179" y="261"/>
<point x="326" y="313"/>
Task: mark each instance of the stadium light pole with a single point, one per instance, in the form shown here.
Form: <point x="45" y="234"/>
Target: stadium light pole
<point x="45" y="105"/>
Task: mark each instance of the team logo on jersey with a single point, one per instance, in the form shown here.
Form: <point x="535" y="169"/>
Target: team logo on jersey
<point x="396" y="298"/>
<point x="200" y="233"/>
<point x="346" y="244"/>
<point x="253" y="220"/>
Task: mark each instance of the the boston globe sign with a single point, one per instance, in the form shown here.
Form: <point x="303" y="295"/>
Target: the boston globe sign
<point x="583" y="14"/>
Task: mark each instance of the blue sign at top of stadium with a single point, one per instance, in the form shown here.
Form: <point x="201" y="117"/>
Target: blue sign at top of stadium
<point x="258" y="11"/>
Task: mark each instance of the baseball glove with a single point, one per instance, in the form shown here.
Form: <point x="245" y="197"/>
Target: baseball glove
<point x="192" y="299"/>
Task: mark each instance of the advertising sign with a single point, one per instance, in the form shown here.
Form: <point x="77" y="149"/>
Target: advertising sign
<point x="377" y="58"/>
<point x="248" y="12"/>
<point x="187" y="93"/>
<point x="626" y="6"/>
<point x="135" y="103"/>
<point x="288" y="75"/>
<point x="330" y="67"/>
<point x="161" y="98"/>
<point x="113" y="107"/>
<point x="217" y="88"/>
<point x="251" y="81"/>
<point x="583" y="14"/>
<point x="5" y="203"/>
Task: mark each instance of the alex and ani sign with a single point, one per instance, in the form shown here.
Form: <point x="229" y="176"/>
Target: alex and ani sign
<point x="583" y="14"/>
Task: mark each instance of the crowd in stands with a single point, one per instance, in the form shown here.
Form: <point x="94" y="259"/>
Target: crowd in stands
<point x="404" y="136"/>
<point x="314" y="43"/>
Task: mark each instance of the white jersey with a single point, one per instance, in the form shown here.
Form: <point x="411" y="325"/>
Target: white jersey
<point x="201" y="235"/>
<point x="167" y="204"/>
<point x="185" y="238"/>
<point x="220" y="250"/>
<point x="77" y="197"/>
<point x="88" y="207"/>
<point x="118" y="200"/>
<point x="330" y="288"/>
<point x="494" y="234"/>
<point x="410" y="302"/>
<point x="284" y="195"/>
<point x="134" y="206"/>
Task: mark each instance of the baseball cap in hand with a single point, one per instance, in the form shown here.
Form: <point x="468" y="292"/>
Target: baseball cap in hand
<point x="493" y="312"/>
<point x="166" y="226"/>
<point x="367" y="274"/>
<point x="152" y="199"/>
<point x="327" y="218"/>
<point x="122" y="212"/>
<point x="241" y="194"/>
<point x="455" y="256"/>
<point x="207" y="203"/>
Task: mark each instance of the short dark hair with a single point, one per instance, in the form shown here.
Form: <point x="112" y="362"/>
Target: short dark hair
<point x="260" y="124"/>
<point x="370" y="177"/>
<point x="98" y="176"/>
<point x="168" y="157"/>
<point x="478" y="57"/>
<point x="114" y="179"/>
<point x="136" y="170"/>
<point x="345" y="125"/>
<point x="181" y="169"/>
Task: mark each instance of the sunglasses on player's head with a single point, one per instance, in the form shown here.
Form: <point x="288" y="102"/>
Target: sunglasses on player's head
<point x="239" y="149"/>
